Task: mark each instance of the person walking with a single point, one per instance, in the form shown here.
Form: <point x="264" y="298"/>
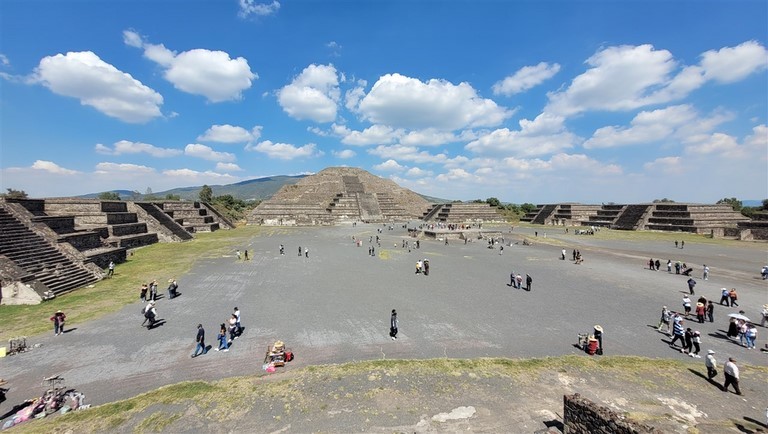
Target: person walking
<point x="764" y="313"/>
<point x="519" y="281"/>
<point x="150" y="315"/>
<point x="677" y="332"/>
<point x="731" y="372"/>
<point x="711" y="311"/>
<point x="528" y="282"/>
<point x="245" y="252"/>
<point x="306" y="252"/>
<point x="393" y="325"/>
<point x="696" y="345"/>
<point x="232" y="328"/>
<point x="669" y="266"/>
<point x="58" y="319"/>
<point x="153" y="290"/>
<point x="200" y="340"/>
<point x="282" y="249"/>
<point x="705" y="273"/>
<point x="172" y="287"/>
<point x="111" y="269"/>
<point x="222" y="338"/>
<point x="711" y="365"/>
<point x="688" y="341"/>
<point x="751" y="336"/>
<point x="651" y="264"/>
<point x="687" y="305"/>
<point x="691" y="284"/>
<point x="664" y="320"/>
<point x="512" y="279"/>
<point x="724" y="297"/>
<point x="143" y="293"/>
<point x="733" y="296"/>
<point x="658" y="264"/>
<point x="426" y="267"/>
<point x="299" y="250"/>
<point x="237" y="252"/>
<point x="236" y="313"/>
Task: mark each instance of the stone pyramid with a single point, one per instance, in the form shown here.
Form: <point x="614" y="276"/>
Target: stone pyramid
<point x="338" y="194"/>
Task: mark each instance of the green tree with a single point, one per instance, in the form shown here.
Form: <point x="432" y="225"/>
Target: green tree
<point x="206" y="193"/>
<point x="109" y="195"/>
<point x="170" y="196"/>
<point x="665" y="200"/>
<point x="732" y="201"/>
<point x="492" y="201"/>
<point x="14" y="194"/>
<point x="528" y="207"/>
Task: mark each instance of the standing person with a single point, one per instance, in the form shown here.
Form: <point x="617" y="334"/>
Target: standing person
<point x="677" y="331"/>
<point x="751" y="336"/>
<point x="236" y="313"/>
<point x="562" y="255"/>
<point x="232" y="328"/>
<point x="731" y="372"/>
<point x="299" y="250"/>
<point x="701" y="310"/>
<point x="111" y="269"/>
<point x="418" y="266"/>
<point x="675" y="243"/>
<point x="711" y="311"/>
<point x="691" y="284"/>
<point x="664" y="320"/>
<point x="58" y="319"/>
<point x="519" y="280"/>
<point x="724" y="297"/>
<point x="687" y="305"/>
<point x="150" y="313"/>
<point x="696" y="345"/>
<point x="733" y="296"/>
<point x="153" y="290"/>
<point x="528" y="282"/>
<point x="306" y="252"/>
<point x="669" y="266"/>
<point x="682" y="244"/>
<point x="237" y="252"/>
<point x="573" y="255"/>
<point x="651" y="264"/>
<point x="512" y="279"/>
<point x="598" y="332"/>
<point x="426" y="267"/>
<point x="200" y="339"/>
<point x="246" y="255"/>
<point x="172" y="287"/>
<point x="687" y="341"/>
<point x="711" y="365"/>
<point x="282" y="249"/>
<point x="705" y="273"/>
<point x="222" y="338"/>
<point x="143" y="294"/>
<point x="658" y="264"/>
<point x="393" y="325"/>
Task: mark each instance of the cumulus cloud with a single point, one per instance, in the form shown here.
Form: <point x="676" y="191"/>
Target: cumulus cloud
<point x="83" y="75"/>
<point x="415" y="172"/>
<point x="106" y="168"/>
<point x="227" y="167"/>
<point x="546" y="134"/>
<point x="206" y="153"/>
<point x="194" y="176"/>
<point x="404" y="102"/>
<point x="429" y="137"/>
<point x="230" y="134"/>
<point x="212" y="74"/>
<point x="50" y="166"/>
<point x="353" y="96"/>
<point x="407" y="153"/>
<point x="389" y="166"/>
<point x="665" y="164"/>
<point x="731" y="64"/>
<point x="127" y="147"/>
<point x="345" y="154"/>
<point x="373" y="135"/>
<point x="285" y="151"/>
<point x="251" y="7"/>
<point x="754" y="146"/>
<point x="313" y="94"/>
<point x="646" y="127"/>
<point x="525" y="78"/>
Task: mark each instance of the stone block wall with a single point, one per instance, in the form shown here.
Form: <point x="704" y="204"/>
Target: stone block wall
<point x="582" y="416"/>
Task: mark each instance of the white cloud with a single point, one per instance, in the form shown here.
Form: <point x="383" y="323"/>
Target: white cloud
<point x="389" y="166"/>
<point x="665" y="165"/>
<point x="415" y="172"/>
<point x="227" y="167"/>
<point x="407" y="153"/>
<point x="251" y="7"/>
<point x="83" y="75"/>
<point x="285" y="151"/>
<point x="647" y="127"/>
<point x="106" y="168"/>
<point x="194" y="176"/>
<point x="313" y="94"/>
<point x="731" y="64"/>
<point x="4" y="60"/>
<point x="230" y="134"/>
<point x="525" y="78"/>
<point x="212" y="74"/>
<point x="454" y="175"/>
<point x="373" y="135"/>
<point x="206" y="153"/>
<point x="753" y="147"/>
<point x="428" y="137"/>
<point x="127" y="147"/>
<point x="544" y="135"/>
<point x="353" y="96"/>
<point x="335" y="48"/>
<point x="345" y="154"/>
<point x="50" y="166"/>
<point x="404" y="102"/>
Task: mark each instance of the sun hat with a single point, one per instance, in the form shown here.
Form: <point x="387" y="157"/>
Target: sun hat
<point x="598" y="328"/>
<point x="711" y="352"/>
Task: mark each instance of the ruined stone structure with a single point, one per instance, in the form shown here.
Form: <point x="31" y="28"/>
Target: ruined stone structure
<point x="462" y="213"/>
<point x="715" y="220"/>
<point x="61" y="244"/>
<point x="582" y="416"/>
<point x="338" y="194"/>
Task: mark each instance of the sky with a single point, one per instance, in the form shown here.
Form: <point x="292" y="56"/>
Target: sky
<point x="525" y="101"/>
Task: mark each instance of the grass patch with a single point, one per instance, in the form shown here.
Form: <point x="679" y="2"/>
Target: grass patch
<point x="160" y="261"/>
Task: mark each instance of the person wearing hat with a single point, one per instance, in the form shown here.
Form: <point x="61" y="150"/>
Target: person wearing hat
<point x="701" y="310"/>
<point x="172" y="287"/>
<point x="599" y="336"/>
<point x="200" y="340"/>
<point x="664" y="320"/>
<point x="58" y="322"/>
<point x="149" y="314"/>
<point x="711" y="365"/>
<point x="731" y="372"/>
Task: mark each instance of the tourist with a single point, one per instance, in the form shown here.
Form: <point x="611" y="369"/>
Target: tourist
<point x="200" y="340"/>
<point x="58" y="319"/>
<point x="664" y="320"/>
<point x="764" y="315"/>
<point x="519" y="280"/>
<point x="705" y="273"/>
<point x="687" y="305"/>
<point x="528" y="282"/>
<point x="111" y="269"/>
<point x="724" y="297"/>
<point x="677" y="267"/>
<point x="236" y="313"/>
<point x="733" y="328"/>
<point x="731" y="372"/>
<point x="598" y="332"/>
<point x="682" y="244"/>
<point x="742" y="333"/>
<point x="512" y="279"/>
<point x="651" y="264"/>
<point x="418" y="266"/>
<point x="299" y="250"/>
<point x="222" y="338"/>
<point x="562" y="255"/>
<point x="691" y="285"/>
<point x="751" y="336"/>
<point x="677" y="331"/>
<point x="573" y="255"/>
<point x="237" y="252"/>
<point x="701" y="310"/>
<point x="711" y="365"/>
<point x="669" y="266"/>
<point x="711" y="311"/>
<point x="143" y="293"/>
<point x="501" y="251"/>
<point x="687" y="341"/>
<point x="675" y="243"/>
<point x="306" y="253"/>
<point x="246" y="254"/>
<point x="733" y="296"/>
<point x="696" y="345"/>
<point x="393" y="325"/>
<point x="150" y="314"/>
<point x="172" y="287"/>
<point x="232" y="328"/>
<point x="658" y="264"/>
<point x="426" y="267"/>
<point x="282" y="249"/>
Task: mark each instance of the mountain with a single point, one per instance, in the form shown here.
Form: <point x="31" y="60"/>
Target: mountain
<point x="252" y="189"/>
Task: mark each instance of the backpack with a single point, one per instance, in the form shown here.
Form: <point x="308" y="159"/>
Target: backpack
<point x="288" y="356"/>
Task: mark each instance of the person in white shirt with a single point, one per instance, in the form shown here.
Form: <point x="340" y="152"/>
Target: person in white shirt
<point x="731" y="372"/>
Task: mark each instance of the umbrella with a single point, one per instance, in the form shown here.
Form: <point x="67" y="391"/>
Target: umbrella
<point x="738" y="316"/>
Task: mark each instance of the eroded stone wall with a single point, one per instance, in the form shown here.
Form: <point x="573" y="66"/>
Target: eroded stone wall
<point x="582" y="416"/>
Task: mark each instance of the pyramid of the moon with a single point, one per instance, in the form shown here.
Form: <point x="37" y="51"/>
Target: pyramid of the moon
<point x="339" y="194"/>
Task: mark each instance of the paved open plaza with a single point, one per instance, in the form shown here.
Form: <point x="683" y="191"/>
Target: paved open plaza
<point x="333" y="305"/>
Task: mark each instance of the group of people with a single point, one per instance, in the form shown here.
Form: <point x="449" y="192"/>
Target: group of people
<point x="232" y="327"/>
<point x="422" y="266"/>
<point x="689" y="339"/>
<point x="729" y="297"/>
<point x="516" y="281"/>
<point x="148" y="291"/>
<point x="744" y="330"/>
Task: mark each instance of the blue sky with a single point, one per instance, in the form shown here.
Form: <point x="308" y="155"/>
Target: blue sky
<point x="526" y="101"/>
